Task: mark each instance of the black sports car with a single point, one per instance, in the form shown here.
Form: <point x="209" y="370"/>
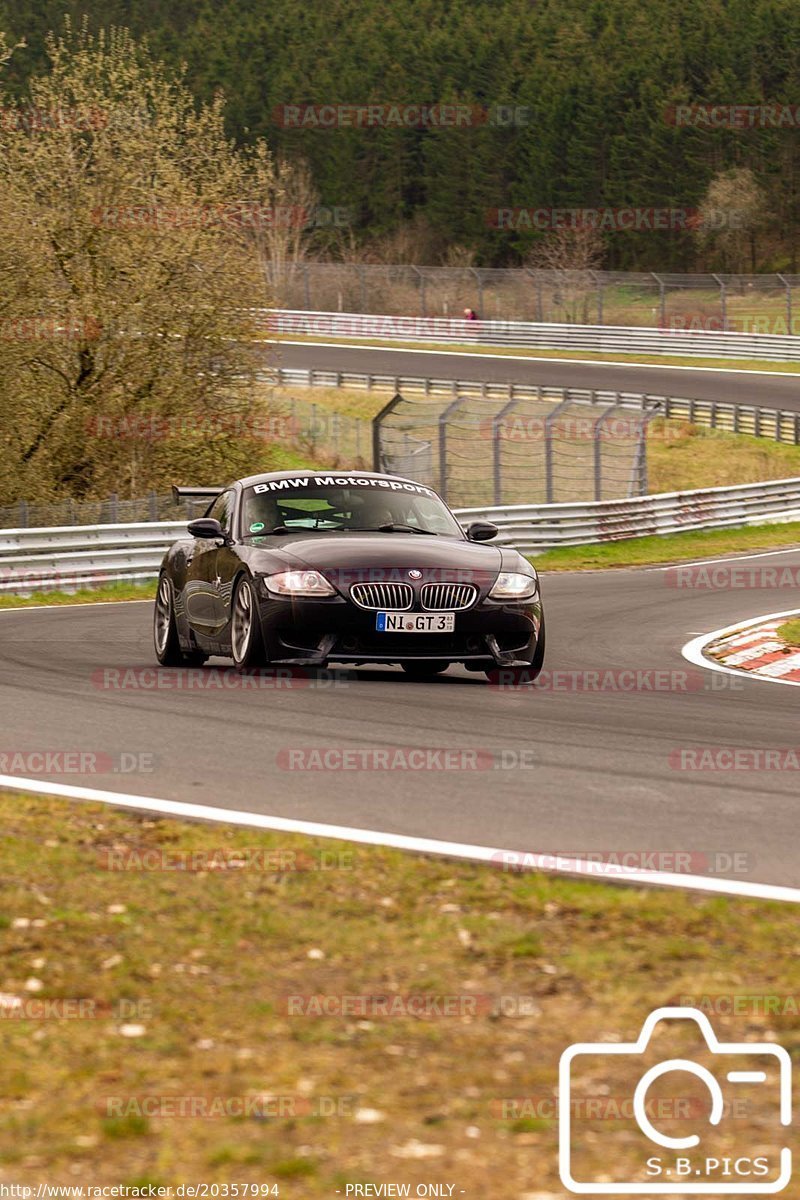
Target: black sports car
<point x="312" y="567"/>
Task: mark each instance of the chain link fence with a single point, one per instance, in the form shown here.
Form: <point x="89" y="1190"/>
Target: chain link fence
<point x="705" y="303"/>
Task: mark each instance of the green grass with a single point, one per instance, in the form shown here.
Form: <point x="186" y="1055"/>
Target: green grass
<point x="789" y="632"/>
<point x="674" y="547"/>
<point x="682" y="457"/>
<point x="205" y="959"/>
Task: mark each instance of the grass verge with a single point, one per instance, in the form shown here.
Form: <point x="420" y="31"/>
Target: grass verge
<point x="681" y="457"/>
<point x="184" y="976"/>
<point x="108" y="593"/>
<point x="668" y="548"/>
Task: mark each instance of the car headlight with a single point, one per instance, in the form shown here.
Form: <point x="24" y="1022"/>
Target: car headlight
<point x="298" y="583"/>
<point x="511" y="585"/>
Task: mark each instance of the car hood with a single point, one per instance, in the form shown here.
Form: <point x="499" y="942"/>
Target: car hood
<point x="349" y="558"/>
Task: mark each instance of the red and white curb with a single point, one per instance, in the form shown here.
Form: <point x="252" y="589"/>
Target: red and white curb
<point x="750" y="648"/>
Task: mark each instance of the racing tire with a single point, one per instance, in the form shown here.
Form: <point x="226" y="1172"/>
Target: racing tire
<point x="424" y="670"/>
<point x="247" y="643"/>
<point x="165" y="631"/>
<point x="515" y="676"/>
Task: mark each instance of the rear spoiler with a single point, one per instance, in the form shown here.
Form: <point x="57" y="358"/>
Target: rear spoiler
<point x="195" y="493"/>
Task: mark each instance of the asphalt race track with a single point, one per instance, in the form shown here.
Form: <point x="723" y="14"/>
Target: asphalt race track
<point x="744" y="387"/>
<point x="598" y="773"/>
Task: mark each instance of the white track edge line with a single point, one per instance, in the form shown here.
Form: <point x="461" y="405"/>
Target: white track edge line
<point x="728" y="558"/>
<point x="693" y="650"/>
<point x="598" y="872"/>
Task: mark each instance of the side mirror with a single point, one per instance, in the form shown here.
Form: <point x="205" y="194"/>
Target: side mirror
<point x="481" y="531"/>
<point x="208" y="528"/>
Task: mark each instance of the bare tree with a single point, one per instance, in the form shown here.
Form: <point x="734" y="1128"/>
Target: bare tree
<point x="283" y="235"/>
<point x="568" y="258"/>
<point x="730" y="216"/>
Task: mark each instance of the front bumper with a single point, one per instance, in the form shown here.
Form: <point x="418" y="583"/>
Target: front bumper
<point x="315" y="632"/>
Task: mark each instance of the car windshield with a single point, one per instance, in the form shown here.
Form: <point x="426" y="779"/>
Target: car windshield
<point x="351" y="505"/>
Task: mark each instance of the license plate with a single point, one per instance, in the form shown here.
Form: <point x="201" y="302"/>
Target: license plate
<point x="400" y="622"/>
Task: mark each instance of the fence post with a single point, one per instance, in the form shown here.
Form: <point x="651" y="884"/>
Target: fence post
<point x="477" y="275"/>
<point x="723" y="301"/>
<point x="662" y="320"/>
<point x="377" y="455"/>
<point x="23" y="514"/>
<point x="422" y="301"/>
<point x="599" y="299"/>
<point x="443" y="419"/>
<point x="496" y="443"/>
<point x="548" y="442"/>
<point x="598" y="449"/>
<point x="306" y="290"/>
<point x="153" y="505"/>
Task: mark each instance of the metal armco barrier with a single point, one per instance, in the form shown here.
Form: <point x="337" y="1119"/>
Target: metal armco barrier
<point x="602" y="339"/>
<point x="67" y="558"/>
<point x="534" y="528"/>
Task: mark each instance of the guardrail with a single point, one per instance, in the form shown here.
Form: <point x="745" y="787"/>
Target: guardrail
<point x="538" y="527"/>
<point x="74" y="556"/>
<point x="601" y="339"/>
<point x="780" y="425"/>
<point x="86" y="556"/>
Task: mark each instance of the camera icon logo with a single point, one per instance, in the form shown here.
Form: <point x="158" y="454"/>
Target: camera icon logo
<point x="759" y="1074"/>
